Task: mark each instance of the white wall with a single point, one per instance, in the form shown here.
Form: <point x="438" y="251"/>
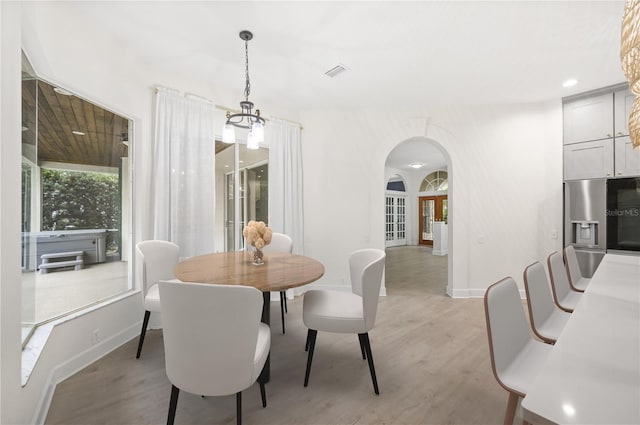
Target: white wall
<point x="505" y="186"/>
<point x="506" y="181"/>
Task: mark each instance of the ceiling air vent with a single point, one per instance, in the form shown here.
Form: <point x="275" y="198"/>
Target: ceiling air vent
<point x="338" y="69"/>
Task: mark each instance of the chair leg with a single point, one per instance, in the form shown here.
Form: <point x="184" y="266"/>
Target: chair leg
<point x="173" y="403"/>
<point x="143" y="332"/>
<point x="282" y="308"/>
<point x="364" y="340"/>
<point x="510" y="414"/>
<point x="263" y="394"/>
<point x="364" y="356"/>
<point x="239" y="408"/>
<point x="311" y="340"/>
<point x="306" y="344"/>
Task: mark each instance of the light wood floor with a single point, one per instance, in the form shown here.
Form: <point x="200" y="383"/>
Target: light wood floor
<point x="430" y="351"/>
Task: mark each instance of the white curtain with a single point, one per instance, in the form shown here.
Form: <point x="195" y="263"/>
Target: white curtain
<point x="285" y="182"/>
<point x="183" y="172"/>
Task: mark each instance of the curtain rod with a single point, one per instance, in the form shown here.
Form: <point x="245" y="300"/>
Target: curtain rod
<point x="222" y="107"/>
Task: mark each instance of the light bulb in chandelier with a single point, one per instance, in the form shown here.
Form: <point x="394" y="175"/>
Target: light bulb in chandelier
<point x="258" y="131"/>
<point x="252" y="141"/>
<point x="228" y="133"/>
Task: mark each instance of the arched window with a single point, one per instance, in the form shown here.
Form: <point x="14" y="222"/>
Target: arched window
<point x="434" y="182"/>
<point x="398" y="186"/>
<point x="396" y="183"/>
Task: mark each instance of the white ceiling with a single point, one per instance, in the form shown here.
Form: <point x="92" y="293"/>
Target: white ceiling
<point x="414" y="53"/>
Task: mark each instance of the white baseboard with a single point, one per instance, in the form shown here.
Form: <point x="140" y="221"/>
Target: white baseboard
<point x="343" y="288"/>
<point x="478" y="293"/>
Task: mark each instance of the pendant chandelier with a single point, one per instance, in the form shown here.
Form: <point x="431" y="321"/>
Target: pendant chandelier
<point x="630" y="59"/>
<point x="246" y="118"/>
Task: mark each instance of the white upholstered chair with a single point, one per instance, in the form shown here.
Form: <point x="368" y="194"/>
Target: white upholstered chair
<point x="576" y="280"/>
<point x="516" y="357"/>
<point x="159" y="259"/>
<point x="565" y="297"/>
<point x="214" y="342"/>
<point x="280" y="243"/>
<point x="546" y="318"/>
<point x="347" y="312"/>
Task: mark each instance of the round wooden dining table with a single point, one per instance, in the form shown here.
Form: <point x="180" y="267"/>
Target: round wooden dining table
<point x="279" y="272"/>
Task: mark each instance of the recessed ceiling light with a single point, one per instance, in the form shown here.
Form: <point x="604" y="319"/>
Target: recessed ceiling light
<point x="62" y="91"/>
<point x="416" y="165"/>
<point x="570" y="82"/>
<point x="78" y="133"/>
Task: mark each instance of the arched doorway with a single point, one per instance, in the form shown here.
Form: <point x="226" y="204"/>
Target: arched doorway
<point x="413" y="162"/>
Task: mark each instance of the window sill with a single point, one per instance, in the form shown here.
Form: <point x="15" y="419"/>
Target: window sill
<point x="35" y="346"/>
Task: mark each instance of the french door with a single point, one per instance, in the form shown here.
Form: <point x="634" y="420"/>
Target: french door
<point x="395" y="227"/>
<point x="431" y="209"/>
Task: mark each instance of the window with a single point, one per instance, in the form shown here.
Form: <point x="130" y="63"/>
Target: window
<point x="435" y="182"/>
<point x="75" y="202"/>
<point x="396" y="185"/>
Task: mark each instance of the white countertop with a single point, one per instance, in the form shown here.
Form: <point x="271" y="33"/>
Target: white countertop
<point x="592" y="375"/>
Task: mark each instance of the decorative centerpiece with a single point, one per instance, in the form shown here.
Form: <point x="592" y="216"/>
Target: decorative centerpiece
<point x="258" y="235"/>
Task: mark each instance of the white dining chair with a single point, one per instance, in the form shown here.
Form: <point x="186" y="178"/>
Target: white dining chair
<point x="516" y="357"/>
<point x="564" y="297"/>
<point x="546" y="318"/>
<point x="347" y="312"/>
<point x="280" y="243"/>
<point x="214" y="342"/>
<point x="576" y="280"/>
<point x="159" y="259"/>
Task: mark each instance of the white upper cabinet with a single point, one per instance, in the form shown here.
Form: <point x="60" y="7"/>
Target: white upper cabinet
<point x="623" y="102"/>
<point x="590" y="118"/>
<point x="588" y="160"/>
<point x="596" y="135"/>
<point x="627" y="158"/>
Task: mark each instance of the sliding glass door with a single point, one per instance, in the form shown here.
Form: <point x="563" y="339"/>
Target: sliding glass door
<point x="246" y="190"/>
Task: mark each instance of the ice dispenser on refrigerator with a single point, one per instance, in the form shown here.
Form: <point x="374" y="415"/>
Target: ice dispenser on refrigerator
<point x="585" y="234"/>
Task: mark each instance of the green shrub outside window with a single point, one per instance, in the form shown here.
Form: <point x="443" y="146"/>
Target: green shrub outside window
<point x="81" y="200"/>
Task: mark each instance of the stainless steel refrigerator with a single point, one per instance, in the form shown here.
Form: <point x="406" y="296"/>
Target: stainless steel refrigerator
<point x="585" y="221"/>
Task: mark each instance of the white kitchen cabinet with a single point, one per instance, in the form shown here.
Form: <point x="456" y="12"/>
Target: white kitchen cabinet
<point x="588" y="118"/>
<point x="623" y="103"/>
<point x="588" y="160"/>
<point x="627" y="159"/>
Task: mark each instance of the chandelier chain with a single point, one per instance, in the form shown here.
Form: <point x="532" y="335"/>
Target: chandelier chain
<point x="247" y="86"/>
